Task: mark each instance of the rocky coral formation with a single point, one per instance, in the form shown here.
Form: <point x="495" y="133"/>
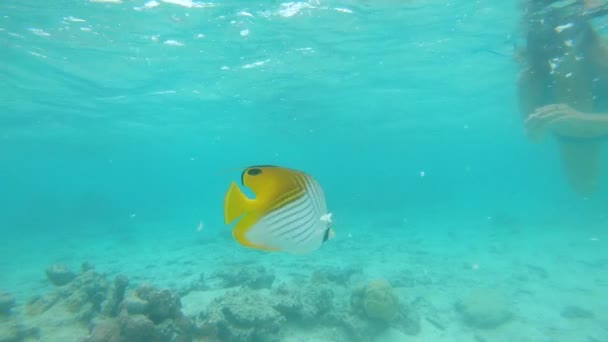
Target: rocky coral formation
<point x="111" y="311"/>
<point x="145" y="314"/>
<point x="242" y="316"/>
<point x="248" y="315"/>
<point x="306" y="304"/>
<point x="254" y="277"/>
<point x="576" y="312"/>
<point x="338" y="275"/>
<point x="484" y="309"/>
<point x="252" y="310"/>
<point x="86" y="295"/>
<point x="379" y="300"/>
<point x="7" y="302"/>
<point x="15" y="332"/>
<point x="59" y="274"/>
<point x="375" y="307"/>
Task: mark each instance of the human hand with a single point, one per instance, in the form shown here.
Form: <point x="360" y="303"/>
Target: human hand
<point x="560" y="119"/>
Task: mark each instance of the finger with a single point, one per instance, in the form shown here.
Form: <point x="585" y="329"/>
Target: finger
<point x="545" y="118"/>
<point x="549" y="109"/>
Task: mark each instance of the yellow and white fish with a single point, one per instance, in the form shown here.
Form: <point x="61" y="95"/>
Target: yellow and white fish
<point x="288" y="212"/>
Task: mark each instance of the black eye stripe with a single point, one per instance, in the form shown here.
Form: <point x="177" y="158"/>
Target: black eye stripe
<point x="254" y="172"/>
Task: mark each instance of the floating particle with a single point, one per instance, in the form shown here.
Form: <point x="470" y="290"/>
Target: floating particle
<point x="74" y="19"/>
<point x="39" y="32"/>
<point x="173" y="42"/>
<point x="343" y="10"/>
<point x="183" y="3"/>
<point x="255" y="64"/>
<point x="422" y="173"/>
<point x="560" y="28"/>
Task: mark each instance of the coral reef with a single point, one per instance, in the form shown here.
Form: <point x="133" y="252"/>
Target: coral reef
<point x="377" y="307"/>
<point x="338" y="275"/>
<point x="6" y="303"/>
<point x="258" y="315"/>
<point x="145" y="314"/>
<point x="306" y="303"/>
<point x="576" y="312"/>
<point x="253" y="309"/>
<point x="15" y="332"/>
<point x="111" y="311"/>
<point x="379" y="300"/>
<point x="86" y="295"/>
<point x="254" y="277"/>
<point x="241" y="316"/>
<point x="484" y="308"/>
<point x="59" y="274"/>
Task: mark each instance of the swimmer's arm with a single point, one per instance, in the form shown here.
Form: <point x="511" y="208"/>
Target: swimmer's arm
<point x="598" y="125"/>
<point x="529" y="93"/>
<point x="530" y="97"/>
<point x="566" y="121"/>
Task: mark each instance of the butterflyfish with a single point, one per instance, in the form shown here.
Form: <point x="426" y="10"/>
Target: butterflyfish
<point x="288" y="212"/>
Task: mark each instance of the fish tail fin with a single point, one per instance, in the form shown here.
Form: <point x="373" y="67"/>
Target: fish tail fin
<point x="235" y="203"/>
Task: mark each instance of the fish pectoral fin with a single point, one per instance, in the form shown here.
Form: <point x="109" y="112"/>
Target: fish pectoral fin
<point x="235" y="203"/>
<point x="326" y="218"/>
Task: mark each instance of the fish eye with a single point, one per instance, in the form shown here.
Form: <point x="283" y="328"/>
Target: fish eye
<point x="254" y="172"/>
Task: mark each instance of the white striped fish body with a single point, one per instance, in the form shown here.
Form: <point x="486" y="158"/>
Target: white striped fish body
<point x="296" y="225"/>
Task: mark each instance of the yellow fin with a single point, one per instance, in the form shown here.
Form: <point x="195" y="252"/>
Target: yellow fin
<point x="235" y="203"/>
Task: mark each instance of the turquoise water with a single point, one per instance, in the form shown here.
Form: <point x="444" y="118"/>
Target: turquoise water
<point x="122" y="124"/>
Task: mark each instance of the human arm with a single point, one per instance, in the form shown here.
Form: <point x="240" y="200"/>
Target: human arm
<point x="566" y="121"/>
<point x="529" y="95"/>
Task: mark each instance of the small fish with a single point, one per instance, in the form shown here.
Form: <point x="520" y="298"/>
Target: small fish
<point x="288" y="212"/>
<point x="200" y="226"/>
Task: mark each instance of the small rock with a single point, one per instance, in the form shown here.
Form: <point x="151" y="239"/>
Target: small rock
<point x="242" y="315"/>
<point x="39" y="304"/>
<point x="105" y="331"/>
<point x="6" y="303"/>
<point x="338" y="275"/>
<point x="59" y="274"/>
<point x="111" y="305"/>
<point x="162" y="304"/>
<point x="86" y="266"/>
<point x="19" y="332"/>
<point x="134" y="305"/>
<point x="484" y="308"/>
<point x="256" y="277"/>
<point x="574" y="312"/>
<point x="138" y="328"/>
